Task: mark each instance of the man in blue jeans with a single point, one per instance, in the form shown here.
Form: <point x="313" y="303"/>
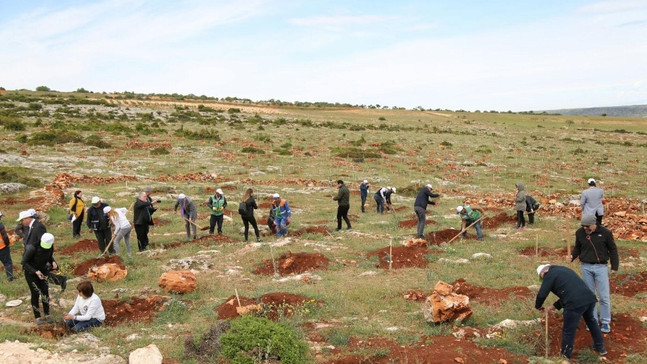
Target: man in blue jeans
<point x="595" y="246"/>
<point x="576" y="299"/>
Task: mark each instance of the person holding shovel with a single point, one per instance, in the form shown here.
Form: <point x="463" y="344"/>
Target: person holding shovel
<point x="217" y="204"/>
<point x="471" y="216"/>
<point x="420" y="208"/>
<point x="122" y="227"/>
<point x="575" y="298"/>
<point x="189" y="213"/>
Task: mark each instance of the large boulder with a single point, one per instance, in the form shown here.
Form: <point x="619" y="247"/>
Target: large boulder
<point x="445" y="305"/>
<point x="147" y="355"/>
<point x="178" y="281"/>
<point x="109" y="272"/>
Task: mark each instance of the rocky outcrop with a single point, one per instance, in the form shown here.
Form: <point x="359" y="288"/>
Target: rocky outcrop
<point x="150" y="354"/>
<point x="109" y="272"/>
<point x="178" y="281"/>
<point x="445" y="305"/>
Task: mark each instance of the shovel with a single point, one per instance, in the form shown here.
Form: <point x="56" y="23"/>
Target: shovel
<point x="464" y="230"/>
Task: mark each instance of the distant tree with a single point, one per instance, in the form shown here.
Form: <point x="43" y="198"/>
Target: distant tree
<point x="43" y="88"/>
<point x="82" y="90"/>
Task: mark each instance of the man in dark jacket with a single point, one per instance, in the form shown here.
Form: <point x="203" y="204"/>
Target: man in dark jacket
<point x="5" y="251"/>
<point x="189" y="213"/>
<point x="420" y="207"/>
<point x="33" y="229"/>
<point x="98" y="222"/>
<point x="577" y="300"/>
<point x="343" y="204"/>
<point x="363" y="192"/>
<point x="595" y="246"/>
<point x="142" y="218"/>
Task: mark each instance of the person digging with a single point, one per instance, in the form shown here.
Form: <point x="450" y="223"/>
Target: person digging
<point x="471" y="216"/>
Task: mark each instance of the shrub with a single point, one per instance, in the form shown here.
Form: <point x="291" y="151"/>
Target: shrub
<point x="252" y="150"/>
<point x="43" y="88"/>
<point x="19" y="175"/>
<point x="52" y="137"/>
<point x="13" y="124"/>
<point x="160" y="151"/>
<point x="96" y="141"/>
<point x="254" y="339"/>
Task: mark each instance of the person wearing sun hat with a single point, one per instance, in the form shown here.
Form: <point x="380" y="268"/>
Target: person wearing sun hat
<point x="575" y="298"/>
<point x="37" y="261"/>
<point x="33" y="229"/>
<point x="100" y="224"/>
<point x="596" y="248"/>
<point x="591" y="201"/>
<point x="5" y="251"/>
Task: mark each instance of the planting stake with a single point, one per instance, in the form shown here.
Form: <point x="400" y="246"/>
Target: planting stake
<point x="546" y="326"/>
<point x="537" y="245"/>
<point x="237" y="298"/>
<point x="390" y="253"/>
<point x="464" y="230"/>
<point x="568" y="248"/>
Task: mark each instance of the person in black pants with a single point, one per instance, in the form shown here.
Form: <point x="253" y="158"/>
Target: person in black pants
<point x="343" y="201"/>
<point x="249" y="204"/>
<point x="98" y="222"/>
<point x="143" y="210"/>
<point x="5" y="251"/>
<point x="77" y="208"/>
<point x="420" y="208"/>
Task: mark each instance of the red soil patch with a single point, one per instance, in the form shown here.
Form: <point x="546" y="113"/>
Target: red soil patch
<point x="265" y="205"/>
<point x="414" y="223"/>
<point x="444" y="236"/>
<point x="275" y="305"/>
<point x="161" y="222"/>
<point x="403" y="257"/>
<point x="491" y="296"/>
<point x="215" y="239"/>
<point x="497" y="220"/>
<point x="543" y="251"/>
<point x="433" y="349"/>
<point x="83" y="267"/>
<point x="86" y="245"/>
<point x="134" y="310"/>
<point x="293" y="264"/>
<point x="8" y="201"/>
<point x="628" y="284"/>
<point x="50" y="331"/>
<point x="323" y="230"/>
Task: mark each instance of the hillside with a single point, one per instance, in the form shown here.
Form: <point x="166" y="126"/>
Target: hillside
<point x="633" y="111"/>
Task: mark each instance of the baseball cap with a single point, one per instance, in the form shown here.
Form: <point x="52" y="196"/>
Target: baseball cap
<point x="107" y="209"/>
<point x="429" y="186"/>
<point x="219" y="191"/>
<point x="591" y="180"/>
<point x="541" y="267"/>
<point x="365" y="181"/>
<point x="95" y="199"/>
<point x="181" y="196"/>
<point x="459" y="209"/>
<point x="276" y="195"/>
<point x="47" y="240"/>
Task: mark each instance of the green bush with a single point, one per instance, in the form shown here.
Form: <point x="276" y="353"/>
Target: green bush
<point x="252" y="150"/>
<point x="160" y="151"/>
<point x="255" y="339"/>
<point x="13" y="124"/>
<point x="51" y="137"/>
<point x="19" y="175"/>
<point x="96" y="141"/>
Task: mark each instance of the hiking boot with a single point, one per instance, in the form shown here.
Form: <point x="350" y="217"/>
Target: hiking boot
<point x="49" y="319"/>
<point x="601" y="352"/>
<point x="605" y="328"/>
<point x="40" y="321"/>
<point x="349" y="228"/>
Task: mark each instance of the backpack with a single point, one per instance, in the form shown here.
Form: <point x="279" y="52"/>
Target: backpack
<point x="531" y="203"/>
<point x="242" y="208"/>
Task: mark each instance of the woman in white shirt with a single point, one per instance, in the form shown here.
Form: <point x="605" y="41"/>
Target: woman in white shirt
<point x="122" y="227"/>
<point x="87" y="311"/>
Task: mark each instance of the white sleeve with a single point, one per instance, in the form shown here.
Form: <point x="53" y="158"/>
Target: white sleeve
<point x="93" y="309"/>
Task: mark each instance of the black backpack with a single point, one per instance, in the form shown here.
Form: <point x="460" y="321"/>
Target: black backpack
<point x="242" y="208"/>
<point x="531" y="203"/>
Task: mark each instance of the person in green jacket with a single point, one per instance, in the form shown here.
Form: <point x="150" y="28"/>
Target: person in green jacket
<point x="469" y="216"/>
<point x="343" y="201"/>
<point x="217" y="204"/>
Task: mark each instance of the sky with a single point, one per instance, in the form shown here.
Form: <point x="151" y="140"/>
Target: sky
<point x="454" y="54"/>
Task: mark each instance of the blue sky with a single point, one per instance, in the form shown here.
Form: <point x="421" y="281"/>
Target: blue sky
<point x="472" y="55"/>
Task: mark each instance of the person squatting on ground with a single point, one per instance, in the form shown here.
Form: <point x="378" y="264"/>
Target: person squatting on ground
<point x="77" y="209"/>
<point x="87" y="311"/>
<point x="380" y="199"/>
<point x="343" y="204"/>
<point x="37" y="262"/>
<point x="591" y="201"/>
<point x="531" y="207"/>
<point x="122" y="227"/>
<point x="189" y="213"/>
<point x="99" y="223"/>
<point x="363" y="192"/>
<point x="520" y="205"/>
<point x="5" y="251"/>
<point x="577" y="300"/>
<point x="143" y="210"/>
<point x="471" y="216"/>
<point x="420" y="208"/>
<point x="595" y="246"/>
<point x="270" y="219"/>
<point x="217" y="204"/>
<point x="282" y="214"/>
<point x="246" y="211"/>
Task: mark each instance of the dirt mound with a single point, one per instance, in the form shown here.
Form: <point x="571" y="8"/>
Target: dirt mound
<point x="414" y="223"/>
<point x="49" y="331"/>
<point x="225" y="239"/>
<point x="275" y="305"/>
<point x="628" y="284"/>
<point x="501" y="218"/>
<point x="82" y="268"/>
<point x="403" y="257"/>
<point x="491" y="296"/>
<point x="161" y="222"/>
<point x="543" y="252"/>
<point x="290" y="263"/>
<point x="444" y="236"/>
<point x="323" y="230"/>
<point x="133" y="310"/>
<point x="433" y="349"/>
<point x="86" y="245"/>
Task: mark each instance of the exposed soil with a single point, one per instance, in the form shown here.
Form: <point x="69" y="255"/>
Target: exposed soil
<point x="491" y="296"/>
<point x="323" y="230"/>
<point x="225" y="239"/>
<point x="290" y="263"/>
<point x="402" y="257"/>
<point x="133" y="310"/>
<point x="86" y="245"/>
<point x="497" y="220"/>
<point x="161" y="222"/>
<point x="51" y="331"/>
<point x="444" y="236"/>
<point x="414" y="223"/>
<point x="84" y="267"/>
<point x="543" y="252"/>
<point x="275" y="305"/>
<point x="430" y="350"/>
<point x="8" y="201"/>
<point x="628" y="284"/>
<point x="264" y="205"/>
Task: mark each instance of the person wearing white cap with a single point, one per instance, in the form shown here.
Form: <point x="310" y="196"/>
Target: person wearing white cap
<point x="189" y="213"/>
<point x="380" y="199"/>
<point x="217" y="204"/>
<point x="98" y="222"/>
<point x="33" y="229"/>
<point x="471" y="215"/>
<point x="282" y="214"/>
<point x="363" y="192"/>
<point x="575" y="298"/>
<point x="596" y="248"/>
<point x="5" y="251"/>
<point x="37" y="261"/>
<point x="591" y="201"/>
<point x="122" y="227"/>
<point x="420" y="208"/>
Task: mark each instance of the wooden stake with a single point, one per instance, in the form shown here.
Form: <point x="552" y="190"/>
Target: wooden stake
<point x="237" y="298"/>
<point x="568" y="248"/>
<point x="546" y="325"/>
<point x="537" y="245"/>
<point x="390" y="253"/>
